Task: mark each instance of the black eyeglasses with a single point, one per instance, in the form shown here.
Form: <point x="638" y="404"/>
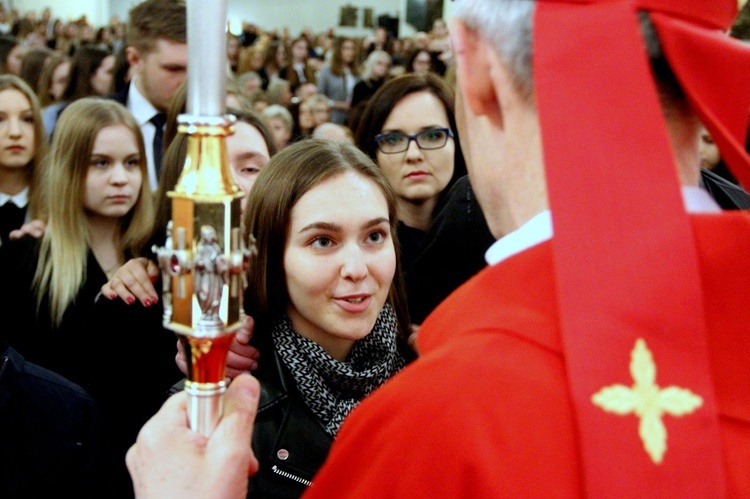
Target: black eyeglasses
<point x="396" y="142"/>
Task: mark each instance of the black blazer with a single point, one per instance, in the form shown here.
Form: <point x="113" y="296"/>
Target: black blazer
<point x="289" y="441"/>
<point x="48" y="427"/>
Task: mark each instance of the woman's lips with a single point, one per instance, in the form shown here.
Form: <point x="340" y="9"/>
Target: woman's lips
<point x="354" y="303"/>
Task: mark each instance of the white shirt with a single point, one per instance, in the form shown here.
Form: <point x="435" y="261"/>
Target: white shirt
<point x="21" y="199"/>
<point x="539" y="228"/>
<point x="143" y="111"/>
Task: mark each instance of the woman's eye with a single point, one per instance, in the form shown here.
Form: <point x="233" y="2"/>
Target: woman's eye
<point x="393" y="139"/>
<point x="322" y="242"/>
<point x="99" y="163"/>
<point x="376" y="237"/>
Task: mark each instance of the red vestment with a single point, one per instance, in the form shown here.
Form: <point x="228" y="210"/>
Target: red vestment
<point x="485" y="411"/>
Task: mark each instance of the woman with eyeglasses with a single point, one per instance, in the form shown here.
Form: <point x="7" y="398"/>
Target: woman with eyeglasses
<point x="408" y="128"/>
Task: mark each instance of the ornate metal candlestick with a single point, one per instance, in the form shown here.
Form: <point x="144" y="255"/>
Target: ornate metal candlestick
<point x="204" y="258"/>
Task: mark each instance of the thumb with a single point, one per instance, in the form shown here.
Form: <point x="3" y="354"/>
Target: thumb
<point x="233" y="434"/>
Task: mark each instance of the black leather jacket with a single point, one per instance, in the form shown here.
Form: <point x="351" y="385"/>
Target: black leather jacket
<point x="289" y="441"/>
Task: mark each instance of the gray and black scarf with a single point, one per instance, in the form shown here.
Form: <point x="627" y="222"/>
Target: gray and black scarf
<point x="331" y="389"/>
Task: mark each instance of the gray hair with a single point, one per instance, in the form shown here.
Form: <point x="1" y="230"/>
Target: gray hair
<point x="507" y="24"/>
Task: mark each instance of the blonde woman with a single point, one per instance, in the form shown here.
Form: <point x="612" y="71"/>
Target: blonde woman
<point x="98" y="212"/>
<point x="23" y="146"/>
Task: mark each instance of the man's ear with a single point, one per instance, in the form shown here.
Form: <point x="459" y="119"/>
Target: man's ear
<point x="474" y="64"/>
<point x="134" y="58"/>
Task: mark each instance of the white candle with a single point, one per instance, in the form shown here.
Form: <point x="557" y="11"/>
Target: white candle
<point x="207" y="57"/>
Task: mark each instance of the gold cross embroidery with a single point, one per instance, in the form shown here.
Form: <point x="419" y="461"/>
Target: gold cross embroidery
<point x="647" y="401"/>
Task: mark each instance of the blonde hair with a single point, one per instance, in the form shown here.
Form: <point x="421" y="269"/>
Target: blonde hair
<point x="61" y="269"/>
<point x="36" y="165"/>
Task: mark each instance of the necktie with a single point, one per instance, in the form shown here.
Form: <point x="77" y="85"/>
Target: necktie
<point x="158" y="120"/>
<point x="11" y="218"/>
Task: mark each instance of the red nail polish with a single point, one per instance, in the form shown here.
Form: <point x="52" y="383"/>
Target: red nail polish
<point x="130" y="300"/>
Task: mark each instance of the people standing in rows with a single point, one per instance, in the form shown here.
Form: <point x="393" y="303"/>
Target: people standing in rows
<point x="22" y="152"/>
<point x="338" y="77"/>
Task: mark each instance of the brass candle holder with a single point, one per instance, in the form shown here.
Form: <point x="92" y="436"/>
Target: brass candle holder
<point x="203" y="264"/>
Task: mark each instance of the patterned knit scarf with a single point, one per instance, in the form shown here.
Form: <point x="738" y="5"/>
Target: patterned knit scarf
<point x="331" y="389"/>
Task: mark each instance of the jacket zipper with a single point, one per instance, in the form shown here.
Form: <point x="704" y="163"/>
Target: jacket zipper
<point x="288" y="475"/>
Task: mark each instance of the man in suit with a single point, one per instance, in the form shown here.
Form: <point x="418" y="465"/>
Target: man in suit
<point x="157" y="53"/>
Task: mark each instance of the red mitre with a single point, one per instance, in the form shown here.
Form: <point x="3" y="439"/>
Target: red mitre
<point x="631" y="303"/>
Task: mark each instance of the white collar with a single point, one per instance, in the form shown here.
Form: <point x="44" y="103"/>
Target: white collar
<point x="539" y="228"/>
<point x="139" y="105"/>
<point x="21" y="199"/>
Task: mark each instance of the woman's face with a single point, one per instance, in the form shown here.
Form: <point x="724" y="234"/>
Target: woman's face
<point x="281" y="134"/>
<point x="59" y="80"/>
<point x="418" y="175"/>
<point x="422" y="63"/>
<point x="101" y="80"/>
<point x="339" y="263"/>
<point x="306" y="119"/>
<point x="248" y="155"/>
<point x="17" y="138"/>
<point x="321" y="112"/>
<point x="15" y="58"/>
<point x="347" y="52"/>
<point x="381" y="67"/>
<point x="299" y="51"/>
<point x="113" y="179"/>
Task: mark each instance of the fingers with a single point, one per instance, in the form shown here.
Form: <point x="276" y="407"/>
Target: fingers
<point x="413" y="338"/>
<point x="242" y="357"/>
<point x="245" y="332"/>
<point x="231" y="438"/>
<point x="180" y="358"/>
<point x="35" y="229"/>
<point x="132" y="282"/>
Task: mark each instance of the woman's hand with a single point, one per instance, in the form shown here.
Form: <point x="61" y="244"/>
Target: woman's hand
<point x="242" y="357"/>
<point x="35" y="229"/>
<point x="134" y="280"/>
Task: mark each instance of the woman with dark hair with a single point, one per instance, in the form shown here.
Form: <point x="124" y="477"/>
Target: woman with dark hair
<point x="91" y="75"/>
<point x="337" y="79"/>
<point x="53" y="79"/>
<point x="420" y="61"/>
<point x="11" y="55"/>
<point x="276" y="58"/>
<point x="409" y="129"/>
<point x="32" y="64"/>
<point x="328" y="303"/>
